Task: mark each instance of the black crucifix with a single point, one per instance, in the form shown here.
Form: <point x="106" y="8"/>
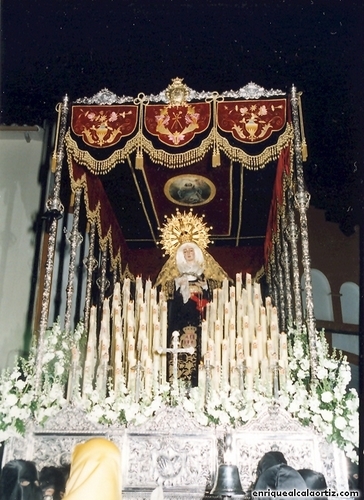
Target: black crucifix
<point x="175" y="350"/>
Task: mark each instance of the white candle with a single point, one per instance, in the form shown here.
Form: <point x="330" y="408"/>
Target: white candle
<point x="232" y="338"/>
<point x="274" y="337"/>
<point x="239" y="345"/>
<point x="225" y="361"/>
<point x="225" y="289"/>
<point x="268" y="307"/>
<point x="263" y="323"/>
<point x="148" y="376"/>
<point x="283" y="353"/>
<point x="132" y="374"/>
<point x="156" y="337"/>
<point x="248" y="286"/>
<point x="239" y="317"/>
<point x="211" y="351"/>
<point x="282" y="373"/>
<point x="238" y="283"/>
<point x="255" y="356"/>
<point x="234" y="375"/>
<point x="220" y="304"/>
<point x="259" y="337"/>
<point x="226" y="319"/>
<point x="218" y="339"/>
<point x="145" y="351"/>
<point x="204" y="337"/>
<point x="256" y="302"/>
<point x="246" y="336"/>
<point x="251" y="315"/>
<point x="232" y="300"/>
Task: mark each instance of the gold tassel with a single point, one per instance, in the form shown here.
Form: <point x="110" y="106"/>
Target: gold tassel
<point x="216" y="160"/>
<point x="139" y="162"/>
<point x="304" y="150"/>
<point x="53" y="163"/>
<point x="303" y="144"/>
<point x="72" y="200"/>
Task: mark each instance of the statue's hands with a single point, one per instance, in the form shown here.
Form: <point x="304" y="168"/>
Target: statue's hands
<point x="181" y="281"/>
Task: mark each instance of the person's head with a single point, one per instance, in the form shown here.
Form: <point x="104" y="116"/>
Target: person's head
<point x="19" y="481"/>
<point x="280" y="477"/>
<point x="269" y="459"/>
<point x="52" y="481"/>
<point x="95" y="471"/>
<point x="189" y="254"/>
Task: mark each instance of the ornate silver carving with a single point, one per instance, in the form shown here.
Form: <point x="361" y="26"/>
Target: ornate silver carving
<point x="70" y="419"/>
<point x="253" y="91"/>
<point x="291" y="232"/>
<point x="281" y="295"/>
<point x="303" y="447"/>
<point x="102" y="282"/>
<point x="249" y="91"/>
<point x="91" y="264"/>
<point x="173" y="450"/>
<point x="55" y="211"/>
<point x="75" y="238"/>
<point x="104" y="96"/>
<point x="170" y="419"/>
<point x="287" y="275"/>
<point x="302" y="203"/>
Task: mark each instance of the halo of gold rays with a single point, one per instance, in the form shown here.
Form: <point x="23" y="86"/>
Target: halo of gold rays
<point x="182" y="228"/>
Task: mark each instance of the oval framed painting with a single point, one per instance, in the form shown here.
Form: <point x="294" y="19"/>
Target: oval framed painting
<point x="189" y="190"/>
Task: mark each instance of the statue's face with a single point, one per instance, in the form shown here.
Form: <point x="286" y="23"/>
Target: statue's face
<point x="189" y="254"/>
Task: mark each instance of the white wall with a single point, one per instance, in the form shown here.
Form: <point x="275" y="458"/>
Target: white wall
<point x="20" y="194"/>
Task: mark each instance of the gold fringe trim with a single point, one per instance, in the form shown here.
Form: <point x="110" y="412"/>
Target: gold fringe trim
<point x="99" y="167"/>
<point x="178" y="160"/>
<point x="255" y="162"/>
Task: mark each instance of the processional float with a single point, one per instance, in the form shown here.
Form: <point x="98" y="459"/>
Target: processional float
<point x="179" y="150"/>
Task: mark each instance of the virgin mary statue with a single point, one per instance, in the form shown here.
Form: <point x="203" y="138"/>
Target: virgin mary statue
<point x="187" y="279"/>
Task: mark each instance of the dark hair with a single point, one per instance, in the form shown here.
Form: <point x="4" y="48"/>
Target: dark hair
<point x="314" y="480"/>
<point x="269" y="459"/>
<point x="19" y="481"/>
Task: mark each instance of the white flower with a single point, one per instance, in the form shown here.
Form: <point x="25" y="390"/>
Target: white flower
<point x="20" y="384"/>
<point x="314" y="404"/>
<point x="326" y="397"/>
<point x="327" y="415"/>
<point x="301" y="374"/>
<point x="305" y="364"/>
<point x="321" y="373"/>
<point x="11" y="400"/>
<point x="340" y="423"/>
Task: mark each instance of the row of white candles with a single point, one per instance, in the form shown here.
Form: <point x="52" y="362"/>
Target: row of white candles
<point x="238" y="333"/>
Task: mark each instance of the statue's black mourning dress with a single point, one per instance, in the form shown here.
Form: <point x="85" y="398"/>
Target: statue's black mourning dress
<point x="188" y="287"/>
<point x="186" y="318"/>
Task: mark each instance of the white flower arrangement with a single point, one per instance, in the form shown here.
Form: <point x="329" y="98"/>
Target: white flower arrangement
<point x="327" y="404"/>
